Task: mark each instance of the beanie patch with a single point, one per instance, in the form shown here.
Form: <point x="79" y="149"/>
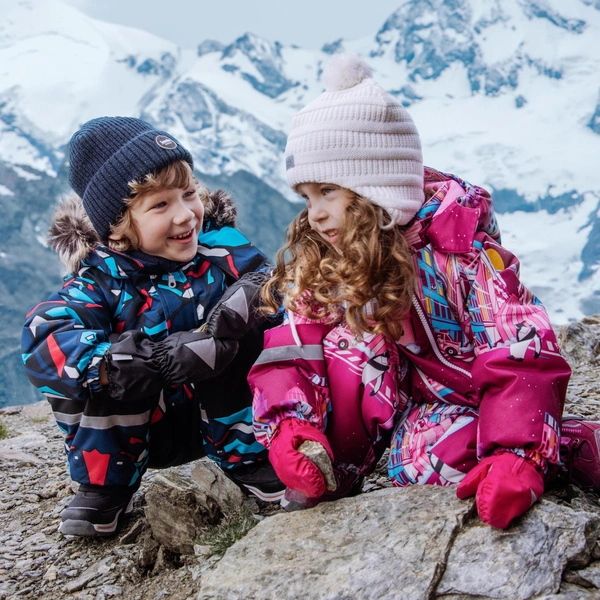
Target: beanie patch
<point x="165" y="142"/>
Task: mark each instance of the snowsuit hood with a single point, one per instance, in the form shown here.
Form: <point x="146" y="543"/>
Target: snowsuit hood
<point x="73" y="236"/>
<point x="453" y="213"/>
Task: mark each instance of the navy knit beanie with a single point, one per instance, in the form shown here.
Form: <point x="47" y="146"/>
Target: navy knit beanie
<point x="109" y="152"/>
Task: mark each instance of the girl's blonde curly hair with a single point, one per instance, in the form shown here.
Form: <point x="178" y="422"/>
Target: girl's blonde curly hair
<point x="370" y="271"/>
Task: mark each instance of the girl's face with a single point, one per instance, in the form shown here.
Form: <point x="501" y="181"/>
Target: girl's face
<point x="168" y="222"/>
<point x="326" y="204"/>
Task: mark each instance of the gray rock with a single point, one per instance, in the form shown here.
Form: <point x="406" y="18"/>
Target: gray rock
<point x="210" y="480"/>
<point x="17" y="456"/>
<point x="28" y="440"/>
<point x="571" y="592"/>
<point x="101" y="567"/>
<point x="580" y="341"/>
<point x="14" y="449"/>
<point x="182" y="501"/>
<point x="386" y="544"/>
<point x="523" y="561"/>
<point x="588" y="577"/>
<point x="37" y="410"/>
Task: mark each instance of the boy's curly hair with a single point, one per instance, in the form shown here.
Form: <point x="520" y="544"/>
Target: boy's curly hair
<point x="370" y="271"/>
<point x="176" y="175"/>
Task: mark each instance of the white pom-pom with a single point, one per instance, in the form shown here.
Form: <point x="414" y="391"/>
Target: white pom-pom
<point x="345" y="71"/>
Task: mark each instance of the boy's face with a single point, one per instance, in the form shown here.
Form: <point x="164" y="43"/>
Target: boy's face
<point x="168" y="222"/>
<point x="326" y="204"/>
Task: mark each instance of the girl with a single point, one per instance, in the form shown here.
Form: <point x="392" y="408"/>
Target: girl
<point x="406" y="323"/>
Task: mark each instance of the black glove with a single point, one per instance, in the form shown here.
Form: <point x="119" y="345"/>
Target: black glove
<point x="236" y="312"/>
<point x="138" y="367"/>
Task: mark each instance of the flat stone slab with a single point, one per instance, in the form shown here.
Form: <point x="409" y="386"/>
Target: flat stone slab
<point x="522" y="562"/>
<point x="15" y="449"/>
<point x="390" y="544"/>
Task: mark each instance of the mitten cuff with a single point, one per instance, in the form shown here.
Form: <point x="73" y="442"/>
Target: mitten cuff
<point x="531" y="456"/>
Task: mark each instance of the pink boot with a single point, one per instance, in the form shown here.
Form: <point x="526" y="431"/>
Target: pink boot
<point x="580" y="453"/>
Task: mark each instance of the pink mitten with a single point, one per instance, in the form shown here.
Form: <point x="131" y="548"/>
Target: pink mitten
<point x="293" y="468"/>
<point x="505" y="486"/>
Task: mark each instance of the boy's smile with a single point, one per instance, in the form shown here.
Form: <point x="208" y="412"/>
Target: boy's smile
<point x="168" y="222"/>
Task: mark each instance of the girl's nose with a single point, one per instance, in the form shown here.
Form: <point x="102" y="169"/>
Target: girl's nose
<point x="316" y="212"/>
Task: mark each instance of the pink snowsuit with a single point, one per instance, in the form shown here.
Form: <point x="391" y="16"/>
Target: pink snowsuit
<point x="478" y="359"/>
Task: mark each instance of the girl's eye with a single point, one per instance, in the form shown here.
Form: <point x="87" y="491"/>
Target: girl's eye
<point x="189" y="193"/>
<point x="327" y="190"/>
<point x="159" y="205"/>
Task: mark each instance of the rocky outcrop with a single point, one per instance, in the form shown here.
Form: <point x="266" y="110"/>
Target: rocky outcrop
<point x="418" y="543"/>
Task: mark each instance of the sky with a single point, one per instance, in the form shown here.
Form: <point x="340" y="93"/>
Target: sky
<point x="306" y="23"/>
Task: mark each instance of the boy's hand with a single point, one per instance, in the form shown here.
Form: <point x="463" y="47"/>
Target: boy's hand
<point x="293" y="468"/>
<point x="138" y="367"/>
<point x="505" y="486"/>
<point x="236" y="313"/>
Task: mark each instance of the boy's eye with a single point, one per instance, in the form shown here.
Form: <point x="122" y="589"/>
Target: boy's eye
<point x="159" y="205"/>
<point x="189" y="193"/>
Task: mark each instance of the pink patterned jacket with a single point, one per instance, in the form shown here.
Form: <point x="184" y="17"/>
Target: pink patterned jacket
<point x="475" y="336"/>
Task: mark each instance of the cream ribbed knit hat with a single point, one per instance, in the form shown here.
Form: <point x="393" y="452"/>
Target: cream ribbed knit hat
<point x="357" y="136"/>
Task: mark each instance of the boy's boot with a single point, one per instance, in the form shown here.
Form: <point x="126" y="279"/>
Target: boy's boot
<point x="97" y="510"/>
<point x="580" y="453"/>
<point x="258" y="479"/>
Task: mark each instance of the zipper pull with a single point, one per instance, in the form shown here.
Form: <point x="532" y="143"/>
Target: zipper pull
<point x="172" y="282"/>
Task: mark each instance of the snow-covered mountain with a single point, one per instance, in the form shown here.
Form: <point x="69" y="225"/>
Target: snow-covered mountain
<point x="505" y="93"/>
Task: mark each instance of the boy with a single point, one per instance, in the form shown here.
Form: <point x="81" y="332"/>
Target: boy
<point x="132" y="381"/>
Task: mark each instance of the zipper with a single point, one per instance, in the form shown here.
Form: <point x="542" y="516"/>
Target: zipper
<point x="172" y="283"/>
<point x="433" y="343"/>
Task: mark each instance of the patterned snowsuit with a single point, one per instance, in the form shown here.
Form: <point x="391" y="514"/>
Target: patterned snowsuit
<point x="109" y="441"/>
<point x="476" y="372"/>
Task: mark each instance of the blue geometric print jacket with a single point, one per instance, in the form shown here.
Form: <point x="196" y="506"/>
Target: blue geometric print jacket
<point x="65" y="338"/>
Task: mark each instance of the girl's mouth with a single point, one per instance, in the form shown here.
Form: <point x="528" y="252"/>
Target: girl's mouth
<point x="330" y="235"/>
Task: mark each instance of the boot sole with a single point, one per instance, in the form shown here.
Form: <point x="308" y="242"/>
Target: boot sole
<point x="84" y="528"/>
<point x="265" y="496"/>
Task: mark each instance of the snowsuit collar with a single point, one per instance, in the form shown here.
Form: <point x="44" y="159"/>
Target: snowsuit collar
<point x="453" y="212"/>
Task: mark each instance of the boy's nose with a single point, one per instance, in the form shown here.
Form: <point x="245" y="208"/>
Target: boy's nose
<point x="183" y="214"/>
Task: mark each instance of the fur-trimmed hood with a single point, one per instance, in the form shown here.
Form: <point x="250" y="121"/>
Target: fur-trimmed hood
<point x="73" y="237"/>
